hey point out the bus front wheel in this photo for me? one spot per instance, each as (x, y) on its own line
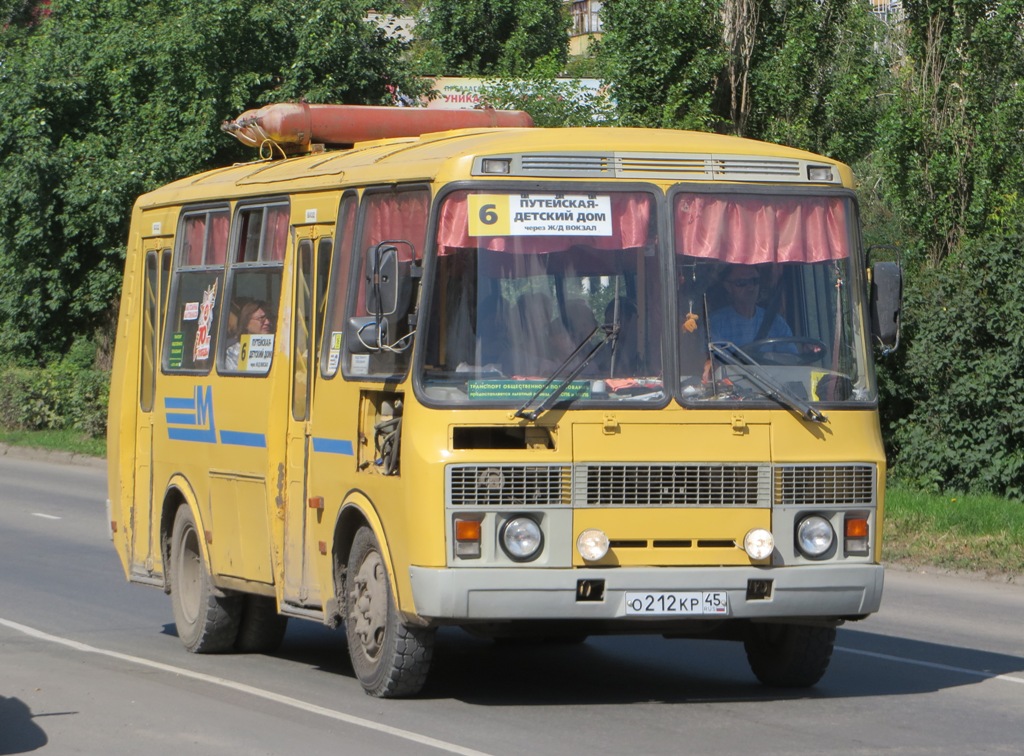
(391, 659)
(788, 655)
(207, 622)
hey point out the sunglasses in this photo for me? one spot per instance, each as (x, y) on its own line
(743, 283)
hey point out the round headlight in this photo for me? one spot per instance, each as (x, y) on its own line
(521, 538)
(815, 536)
(759, 543)
(592, 544)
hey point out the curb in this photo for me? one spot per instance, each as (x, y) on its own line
(50, 455)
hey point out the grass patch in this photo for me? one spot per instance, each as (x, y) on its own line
(72, 441)
(970, 532)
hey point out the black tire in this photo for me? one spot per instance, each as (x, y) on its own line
(789, 656)
(261, 629)
(390, 659)
(207, 622)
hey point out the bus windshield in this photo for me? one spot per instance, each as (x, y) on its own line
(544, 291)
(770, 305)
(532, 286)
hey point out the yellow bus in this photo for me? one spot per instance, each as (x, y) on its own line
(403, 373)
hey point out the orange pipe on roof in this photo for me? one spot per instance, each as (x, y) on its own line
(296, 125)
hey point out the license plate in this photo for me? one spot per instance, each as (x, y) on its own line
(666, 603)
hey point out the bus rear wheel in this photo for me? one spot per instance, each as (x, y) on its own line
(789, 655)
(207, 621)
(261, 628)
(391, 659)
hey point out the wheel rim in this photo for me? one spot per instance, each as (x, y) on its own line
(370, 604)
(189, 584)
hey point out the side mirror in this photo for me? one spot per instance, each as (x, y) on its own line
(886, 303)
(388, 280)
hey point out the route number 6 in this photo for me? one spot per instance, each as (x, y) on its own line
(487, 215)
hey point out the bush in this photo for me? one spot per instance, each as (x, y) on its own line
(67, 395)
(964, 370)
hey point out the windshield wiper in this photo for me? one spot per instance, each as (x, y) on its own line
(730, 354)
(609, 333)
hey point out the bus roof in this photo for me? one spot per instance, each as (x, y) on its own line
(657, 155)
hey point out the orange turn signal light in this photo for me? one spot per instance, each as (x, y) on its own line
(857, 527)
(467, 530)
(467, 538)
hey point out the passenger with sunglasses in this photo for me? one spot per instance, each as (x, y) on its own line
(740, 322)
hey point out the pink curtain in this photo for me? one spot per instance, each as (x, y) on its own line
(277, 233)
(402, 215)
(195, 236)
(631, 214)
(217, 245)
(392, 216)
(762, 229)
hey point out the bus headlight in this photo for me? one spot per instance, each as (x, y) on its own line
(592, 544)
(521, 538)
(815, 536)
(759, 543)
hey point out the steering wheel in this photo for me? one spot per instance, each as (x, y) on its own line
(802, 350)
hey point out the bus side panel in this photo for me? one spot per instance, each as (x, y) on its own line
(123, 404)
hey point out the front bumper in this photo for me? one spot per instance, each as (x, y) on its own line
(813, 592)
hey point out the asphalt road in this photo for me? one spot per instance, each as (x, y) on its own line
(90, 664)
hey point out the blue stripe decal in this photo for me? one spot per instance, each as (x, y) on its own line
(204, 435)
(239, 438)
(197, 424)
(180, 418)
(333, 446)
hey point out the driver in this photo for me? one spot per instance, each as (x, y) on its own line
(740, 321)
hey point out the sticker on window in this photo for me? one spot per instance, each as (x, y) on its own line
(255, 352)
(334, 354)
(540, 215)
(518, 390)
(201, 350)
(360, 364)
(177, 353)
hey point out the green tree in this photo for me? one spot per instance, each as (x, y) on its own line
(490, 37)
(951, 142)
(817, 76)
(952, 167)
(661, 59)
(105, 100)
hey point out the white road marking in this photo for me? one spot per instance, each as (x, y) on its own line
(45, 516)
(933, 665)
(415, 737)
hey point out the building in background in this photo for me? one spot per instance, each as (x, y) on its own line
(586, 24)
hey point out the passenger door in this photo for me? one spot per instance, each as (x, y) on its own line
(156, 269)
(312, 259)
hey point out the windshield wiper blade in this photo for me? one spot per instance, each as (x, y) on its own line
(608, 335)
(730, 354)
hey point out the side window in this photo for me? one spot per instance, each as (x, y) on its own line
(337, 288)
(193, 308)
(150, 292)
(302, 317)
(398, 216)
(258, 243)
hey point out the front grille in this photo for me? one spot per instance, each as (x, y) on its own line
(660, 485)
(508, 485)
(824, 485)
(682, 485)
